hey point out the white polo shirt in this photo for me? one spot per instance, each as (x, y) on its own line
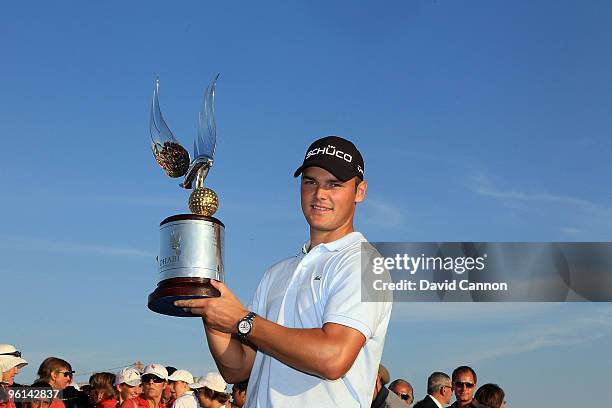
(307, 291)
(187, 400)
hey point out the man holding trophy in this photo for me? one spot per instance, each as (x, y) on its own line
(307, 339)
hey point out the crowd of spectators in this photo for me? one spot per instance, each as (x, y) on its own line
(158, 386)
(440, 389)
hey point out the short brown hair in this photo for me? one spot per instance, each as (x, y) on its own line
(490, 395)
(50, 365)
(464, 369)
(104, 382)
(241, 386)
(215, 395)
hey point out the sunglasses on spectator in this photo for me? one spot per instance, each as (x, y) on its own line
(146, 379)
(466, 384)
(404, 396)
(14, 354)
(67, 373)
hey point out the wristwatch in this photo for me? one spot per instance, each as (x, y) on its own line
(245, 325)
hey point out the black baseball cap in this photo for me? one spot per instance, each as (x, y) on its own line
(337, 155)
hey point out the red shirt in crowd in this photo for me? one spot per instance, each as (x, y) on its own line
(138, 402)
(106, 403)
(57, 403)
(9, 403)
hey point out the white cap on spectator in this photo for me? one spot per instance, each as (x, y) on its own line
(214, 381)
(157, 370)
(129, 376)
(10, 357)
(181, 375)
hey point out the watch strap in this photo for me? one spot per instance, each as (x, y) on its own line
(248, 318)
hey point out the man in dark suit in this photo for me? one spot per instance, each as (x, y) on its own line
(439, 391)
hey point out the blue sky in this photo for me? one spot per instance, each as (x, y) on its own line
(478, 120)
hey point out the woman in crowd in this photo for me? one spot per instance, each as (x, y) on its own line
(10, 364)
(489, 396)
(154, 380)
(211, 391)
(58, 374)
(45, 394)
(127, 384)
(102, 394)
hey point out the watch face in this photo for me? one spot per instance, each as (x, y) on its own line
(244, 327)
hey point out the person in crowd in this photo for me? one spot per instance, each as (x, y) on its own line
(10, 364)
(45, 394)
(239, 394)
(464, 382)
(489, 396)
(168, 396)
(307, 335)
(439, 391)
(382, 398)
(154, 381)
(211, 391)
(75, 397)
(58, 373)
(102, 393)
(4, 397)
(403, 389)
(179, 382)
(127, 384)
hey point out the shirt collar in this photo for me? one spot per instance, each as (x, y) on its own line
(436, 401)
(345, 241)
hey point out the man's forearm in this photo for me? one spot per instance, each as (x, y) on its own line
(229, 355)
(327, 352)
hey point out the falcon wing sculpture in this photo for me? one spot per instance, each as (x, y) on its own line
(171, 156)
(205, 145)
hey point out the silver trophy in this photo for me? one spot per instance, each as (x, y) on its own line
(191, 245)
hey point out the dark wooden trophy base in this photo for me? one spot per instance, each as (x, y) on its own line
(168, 291)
